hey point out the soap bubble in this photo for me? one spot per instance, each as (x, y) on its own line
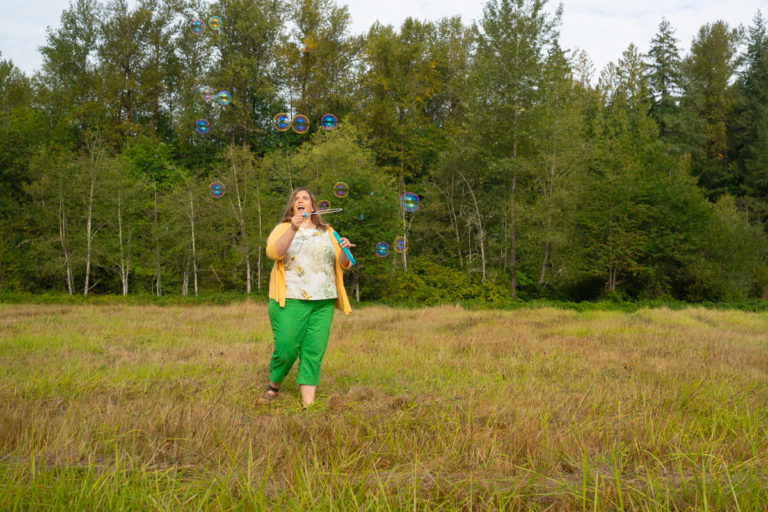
(409, 201)
(224, 98)
(214, 22)
(197, 26)
(282, 122)
(207, 93)
(401, 244)
(328, 121)
(203, 126)
(382, 249)
(340, 189)
(300, 123)
(323, 205)
(216, 189)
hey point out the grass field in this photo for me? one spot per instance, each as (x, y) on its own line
(154, 408)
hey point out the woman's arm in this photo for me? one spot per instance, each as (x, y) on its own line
(344, 242)
(284, 242)
(281, 237)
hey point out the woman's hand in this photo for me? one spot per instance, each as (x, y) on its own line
(345, 244)
(296, 221)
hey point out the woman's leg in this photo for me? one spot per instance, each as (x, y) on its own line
(289, 327)
(307, 393)
(313, 348)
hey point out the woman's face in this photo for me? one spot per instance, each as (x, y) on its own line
(302, 203)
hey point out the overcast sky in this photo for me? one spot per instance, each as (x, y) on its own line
(603, 28)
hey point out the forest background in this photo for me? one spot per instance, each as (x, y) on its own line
(537, 176)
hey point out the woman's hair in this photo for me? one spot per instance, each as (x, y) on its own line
(288, 212)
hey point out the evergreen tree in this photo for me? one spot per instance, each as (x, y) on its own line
(612, 210)
(708, 72)
(68, 81)
(246, 45)
(749, 125)
(559, 147)
(318, 60)
(663, 64)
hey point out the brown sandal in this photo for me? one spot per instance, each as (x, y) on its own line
(269, 395)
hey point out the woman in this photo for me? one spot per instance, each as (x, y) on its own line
(305, 285)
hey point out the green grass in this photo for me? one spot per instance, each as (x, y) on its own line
(219, 298)
(135, 407)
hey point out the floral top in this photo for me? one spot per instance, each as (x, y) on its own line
(309, 266)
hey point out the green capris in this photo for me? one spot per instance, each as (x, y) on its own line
(301, 329)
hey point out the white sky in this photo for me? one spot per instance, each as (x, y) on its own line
(604, 28)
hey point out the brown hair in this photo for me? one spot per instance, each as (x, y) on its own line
(318, 219)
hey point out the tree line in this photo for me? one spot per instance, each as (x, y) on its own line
(537, 175)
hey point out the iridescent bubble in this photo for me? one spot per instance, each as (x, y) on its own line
(214, 22)
(207, 92)
(401, 244)
(203, 126)
(371, 192)
(409, 201)
(362, 217)
(216, 189)
(224, 98)
(282, 122)
(328, 121)
(382, 249)
(300, 123)
(323, 205)
(197, 26)
(340, 189)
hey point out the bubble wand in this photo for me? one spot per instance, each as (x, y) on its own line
(323, 212)
(335, 234)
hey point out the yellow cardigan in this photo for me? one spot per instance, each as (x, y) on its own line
(277, 278)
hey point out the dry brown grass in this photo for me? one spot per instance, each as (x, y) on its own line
(534, 408)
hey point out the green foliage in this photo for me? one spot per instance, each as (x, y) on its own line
(532, 179)
(428, 283)
(732, 262)
(748, 129)
(152, 159)
(709, 100)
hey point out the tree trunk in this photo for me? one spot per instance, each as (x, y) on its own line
(89, 224)
(455, 223)
(513, 241)
(480, 230)
(64, 239)
(185, 278)
(611, 259)
(123, 266)
(544, 262)
(258, 249)
(450, 203)
(402, 210)
(193, 240)
(506, 240)
(513, 213)
(240, 215)
(158, 276)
